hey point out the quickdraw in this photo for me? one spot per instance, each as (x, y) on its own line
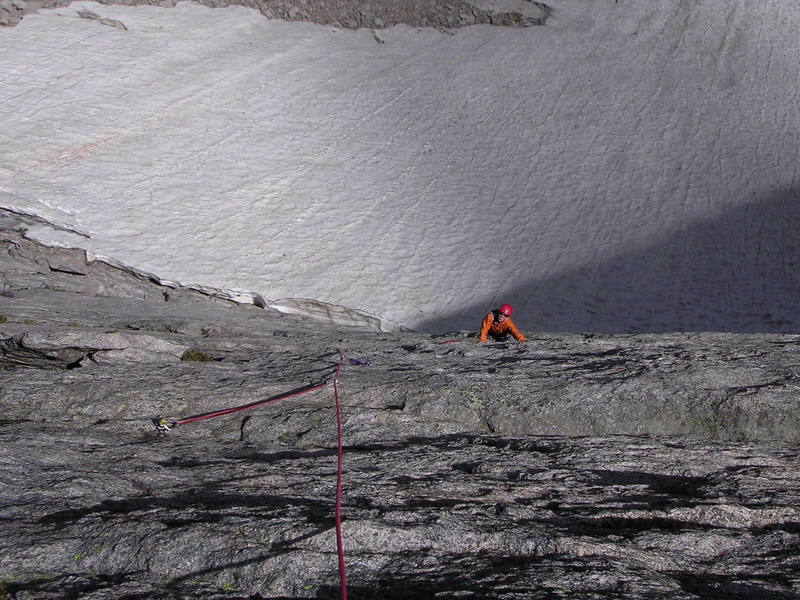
(164, 425)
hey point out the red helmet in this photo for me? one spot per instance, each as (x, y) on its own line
(505, 309)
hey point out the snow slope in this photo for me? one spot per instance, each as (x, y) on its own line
(630, 166)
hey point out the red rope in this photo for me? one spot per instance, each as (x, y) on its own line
(339, 469)
(227, 411)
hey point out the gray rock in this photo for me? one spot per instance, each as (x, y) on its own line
(577, 466)
(69, 348)
(11, 12)
(352, 14)
(459, 516)
(88, 14)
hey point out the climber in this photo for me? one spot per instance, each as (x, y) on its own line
(498, 325)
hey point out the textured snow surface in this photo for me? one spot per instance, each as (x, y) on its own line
(630, 166)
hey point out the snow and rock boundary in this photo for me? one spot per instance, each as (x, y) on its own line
(16, 223)
(59, 312)
(350, 14)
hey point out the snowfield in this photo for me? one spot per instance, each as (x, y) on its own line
(629, 166)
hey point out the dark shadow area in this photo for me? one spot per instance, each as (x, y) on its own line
(658, 492)
(492, 576)
(66, 586)
(455, 441)
(739, 272)
(787, 526)
(746, 587)
(458, 576)
(205, 506)
(671, 485)
(626, 527)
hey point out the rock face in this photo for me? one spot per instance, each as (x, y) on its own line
(69, 348)
(576, 466)
(11, 12)
(350, 14)
(101, 515)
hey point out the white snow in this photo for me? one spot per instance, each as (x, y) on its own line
(630, 166)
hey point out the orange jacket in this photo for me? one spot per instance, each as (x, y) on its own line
(490, 326)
